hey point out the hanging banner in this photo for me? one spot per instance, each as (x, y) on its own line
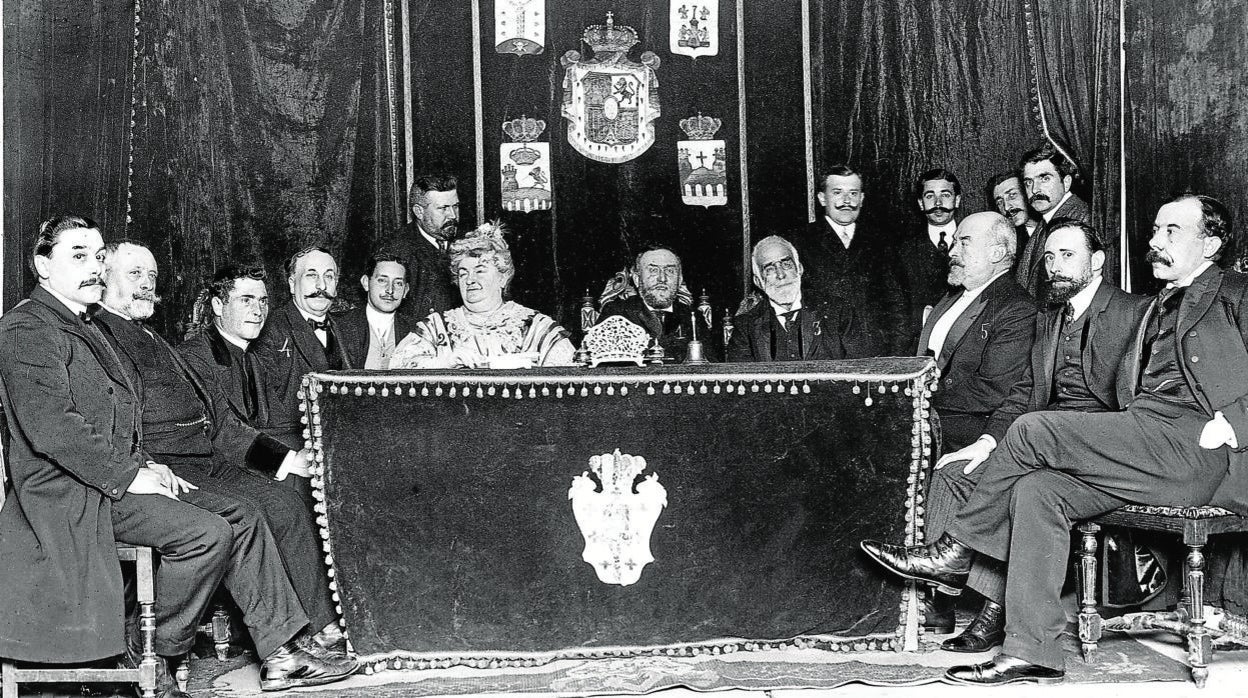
(609, 101)
(525, 166)
(701, 159)
(694, 28)
(520, 26)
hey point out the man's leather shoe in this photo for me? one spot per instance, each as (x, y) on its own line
(984, 633)
(938, 612)
(944, 564)
(292, 665)
(1004, 669)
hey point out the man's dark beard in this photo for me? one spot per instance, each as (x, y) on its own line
(1057, 293)
(652, 298)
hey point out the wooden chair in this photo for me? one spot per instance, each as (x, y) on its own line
(1195, 525)
(144, 674)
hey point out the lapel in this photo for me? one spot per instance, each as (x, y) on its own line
(810, 335)
(217, 343)
(760, 329)
(1042, 371)
(308, 346)
(1100, 302)
(1135, 363)
(103, 351)
(1197, 299)
(941, 308)
(957, 332)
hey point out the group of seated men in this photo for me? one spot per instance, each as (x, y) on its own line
(197, 451)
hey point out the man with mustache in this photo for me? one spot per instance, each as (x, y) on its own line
(924, 251)
(189, 426)
(299, 338)
(1047, 176)
(1081, 337)
(657, 276)
(1005, 191)
(790, 325)
(370, 333)
(1176, 443)
(434, 201)
(980, 334)
(848, 260)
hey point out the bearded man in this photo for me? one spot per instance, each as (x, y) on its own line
(657, 276)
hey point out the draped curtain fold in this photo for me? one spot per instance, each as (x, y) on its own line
(1076, 72)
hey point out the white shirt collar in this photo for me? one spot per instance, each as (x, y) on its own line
(231, 338)
(1081, 300)
(432, 240)
(74, 306)
(781, 310)
(972, 293)
(933, 233)
(114, 311)
(1048, 215)
(310, 317)
(840, 229)
(380, 323)
(1187, 280)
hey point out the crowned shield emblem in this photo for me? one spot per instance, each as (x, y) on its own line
(694, 28)
(610, 102)
(616, 515)
(525, 166)
(520, 26)
(701, 159)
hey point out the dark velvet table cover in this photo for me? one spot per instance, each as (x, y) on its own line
(452, 539)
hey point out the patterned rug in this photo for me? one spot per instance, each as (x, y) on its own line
(1121, 659)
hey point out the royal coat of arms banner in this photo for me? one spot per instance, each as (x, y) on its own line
(610, 102)
(520, 26)
(694, 28)
(701, 159)
(525, 167)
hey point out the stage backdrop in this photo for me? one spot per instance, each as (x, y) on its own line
(478, 516)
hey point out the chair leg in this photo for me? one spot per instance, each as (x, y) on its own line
(221, 632)
(1199, 641)
(8, 689)
(1086, 581)
(146, 591)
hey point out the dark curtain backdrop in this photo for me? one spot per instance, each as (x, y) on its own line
(1077, 76)
(260, 126)
(1187, 111)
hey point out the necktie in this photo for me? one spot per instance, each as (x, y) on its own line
(318, 324)
(1068, 314)
(790, 317)
(85, 317)
(943, 244)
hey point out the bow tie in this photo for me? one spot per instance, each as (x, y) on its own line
(86, 317)
(318, 324)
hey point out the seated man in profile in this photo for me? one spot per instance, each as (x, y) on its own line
(790, 326)
(657, 276)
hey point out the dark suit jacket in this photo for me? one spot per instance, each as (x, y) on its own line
(984, 356)
(72, 447)
(287, 349)
(223, 366)
(1213, 356)
(433, 289)
(354, 333)
(1113, 317)
(864, 277)
(673, 331)
(924, 276)
(1030, 263)
(234, 444)
(829, 331)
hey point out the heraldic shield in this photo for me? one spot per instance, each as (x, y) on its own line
(617, 520)
(609, 101)
(519, 26)
(702, 163)
(694, 28)
(525, 166)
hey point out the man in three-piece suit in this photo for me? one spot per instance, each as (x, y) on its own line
(1176, 443)
(1081, 337)
(237, 303)
(83, 481)
(370, 333)
(299, 338)
(657, 276)
(847, 259)
(789, 325)
(189, 426)
(1047, 177)
(923, 253)
(980, 335)
(434, 201)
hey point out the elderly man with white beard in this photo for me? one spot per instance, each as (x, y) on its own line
(792, 325)
(190, 427)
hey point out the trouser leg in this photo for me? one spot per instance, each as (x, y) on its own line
(255, 575)
(194, 547)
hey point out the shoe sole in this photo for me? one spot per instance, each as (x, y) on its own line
(938, 586)
(285, 684)
(1042, 680)
(967, 650)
